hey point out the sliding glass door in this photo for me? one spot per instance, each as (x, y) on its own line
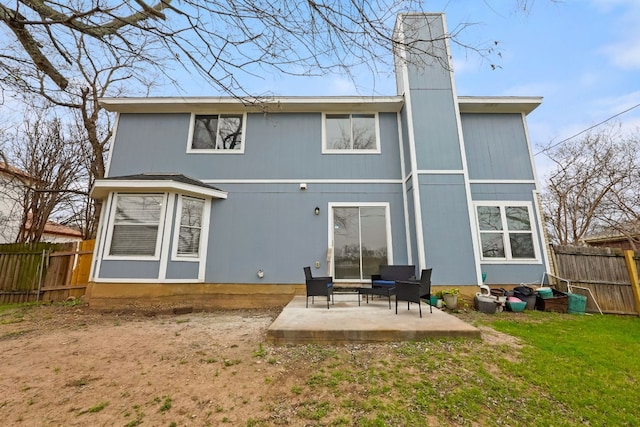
(360, 241)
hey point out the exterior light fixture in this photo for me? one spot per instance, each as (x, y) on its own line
(316, 211)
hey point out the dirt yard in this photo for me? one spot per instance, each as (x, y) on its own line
(71, 366)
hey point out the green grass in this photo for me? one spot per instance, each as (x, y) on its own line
(559, 370)
(589, 364)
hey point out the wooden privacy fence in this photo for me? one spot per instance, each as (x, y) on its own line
(44, 271)
(601, 270)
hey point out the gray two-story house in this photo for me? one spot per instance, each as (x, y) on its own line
(218, 202)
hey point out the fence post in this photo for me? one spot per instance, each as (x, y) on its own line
(40, 278)
(633, 276)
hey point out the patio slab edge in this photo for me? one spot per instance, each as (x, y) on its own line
(346, 322)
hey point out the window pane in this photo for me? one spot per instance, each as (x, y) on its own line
(138, 209)
(492, 245)
(229, 133)
(191, 212)
(364, 132)
(346, 243)
(134, 240)
(374, 239)
(489, 218)
(204, 132)
(521, 245)
(189, 241)
(518, 218)
(136, 222)
(190, 226)
(338, 131)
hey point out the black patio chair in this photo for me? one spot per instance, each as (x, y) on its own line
(413, 291)
(318, 286)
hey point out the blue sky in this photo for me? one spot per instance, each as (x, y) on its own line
(582, 56)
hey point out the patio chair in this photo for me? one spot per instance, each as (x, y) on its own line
(414, 291)
(318, 286)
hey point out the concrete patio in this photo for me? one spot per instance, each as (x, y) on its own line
(346, 322)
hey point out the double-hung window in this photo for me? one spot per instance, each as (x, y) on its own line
(136, 223)
(190, 228)
(506, 231)
(217, 133)
(350, 133)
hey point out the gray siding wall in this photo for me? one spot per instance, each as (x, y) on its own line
(503, 191)
(269, 226)
(273, 227)
(435, 123)
(412, 227)
(405, 141)
(277, 146)
(446, 229)
(511, 273)
(436, 130)
(496, 146)
(113, 269)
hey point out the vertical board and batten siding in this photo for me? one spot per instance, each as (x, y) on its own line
(435, 130)
(503, 192)
(125, 269)
(273, 227)
(406, 152)
(412, 227)
(435, 124)
(603, 270)
(446, 231)
(496, 147)
(445, 222)
(262, 225)
(277, 146)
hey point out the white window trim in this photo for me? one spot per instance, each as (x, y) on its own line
(505, 233)
(204, 227)
(192, 122)
(110, 226)
(387, 212)
(326, 150)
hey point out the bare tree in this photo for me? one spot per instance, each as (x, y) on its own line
(593, 187)
(72, 53)
(46, 173)
(222, 40)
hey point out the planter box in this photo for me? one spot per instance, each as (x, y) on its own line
(559, 302)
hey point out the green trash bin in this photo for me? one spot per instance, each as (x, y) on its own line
(577, 303)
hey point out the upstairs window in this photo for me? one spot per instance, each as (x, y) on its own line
(217, 133)
(135, 225)
(355, 133)
(506, 232)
